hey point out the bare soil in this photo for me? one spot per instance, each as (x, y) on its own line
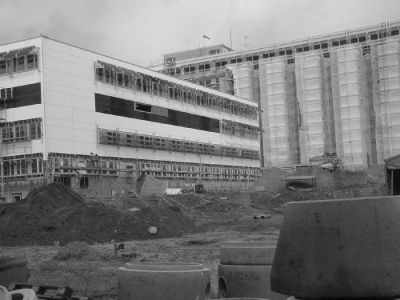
(191, 226)
(54, 214)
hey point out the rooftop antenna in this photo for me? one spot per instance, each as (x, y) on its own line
(230, 34)
(245, 42)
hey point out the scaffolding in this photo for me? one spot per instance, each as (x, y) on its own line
(351, 106)
(275, 113)
(389, 94)
(310, 94)
(3, 94)
(377, 112)
(244, 80)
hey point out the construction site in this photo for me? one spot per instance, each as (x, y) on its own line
(269, 173)
(331, 94)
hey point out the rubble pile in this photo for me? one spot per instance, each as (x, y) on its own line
(55, 214)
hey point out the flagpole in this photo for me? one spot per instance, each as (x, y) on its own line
(204, 39)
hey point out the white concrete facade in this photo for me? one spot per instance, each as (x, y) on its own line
(70, 123)
(71, 119)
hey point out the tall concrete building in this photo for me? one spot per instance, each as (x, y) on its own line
(97, 124)
(337, 93)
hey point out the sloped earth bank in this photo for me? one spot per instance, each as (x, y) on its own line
(54, 214)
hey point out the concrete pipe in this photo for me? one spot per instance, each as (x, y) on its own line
(4, 295)
(245, 269)
(162, 280)
(13, 269)
(241, 299)
(246, 281)
(344, 248)
(23, 294)
(247, 253)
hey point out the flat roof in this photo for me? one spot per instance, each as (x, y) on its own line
(150, 72)
(296, 42)
(195, 49)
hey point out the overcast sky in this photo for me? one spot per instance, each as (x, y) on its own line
(142, 31)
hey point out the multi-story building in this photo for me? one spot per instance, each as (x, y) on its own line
(336, 93)
(86, 119)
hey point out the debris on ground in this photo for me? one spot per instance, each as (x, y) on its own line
(90, 268)
(262, 216)
(54, 213)
(173, 191)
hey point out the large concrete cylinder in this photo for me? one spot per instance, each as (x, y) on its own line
(167, 281)
(245, 270)
(247, 253)
(13, 269)
(344, 248)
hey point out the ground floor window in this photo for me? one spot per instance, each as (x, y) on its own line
(17, 197)
(84, 182)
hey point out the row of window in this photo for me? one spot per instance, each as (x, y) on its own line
(113, 137)
(159, 169)
(140, 82)
(34, 165)
(283, 51)
(22, 166)
(172, 60)
(239, 129)
(19, 96)
(21, 131)
(20, 60)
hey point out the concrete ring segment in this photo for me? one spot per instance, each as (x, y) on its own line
(4, 295)
(13, 269)
(168, 281)
(344, 248)
(247, 253)
(246, 281)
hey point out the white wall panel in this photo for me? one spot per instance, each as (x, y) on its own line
(72, 121)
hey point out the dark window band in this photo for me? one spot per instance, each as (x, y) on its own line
(19, 96)
(130, 109)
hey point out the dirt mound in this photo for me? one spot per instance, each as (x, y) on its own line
(51, 197)
(190, 200)
(54, 213)
(74, 250)
(340, 184)
(271, 180)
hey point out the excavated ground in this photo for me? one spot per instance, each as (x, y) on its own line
(191, 227)
(53, 214)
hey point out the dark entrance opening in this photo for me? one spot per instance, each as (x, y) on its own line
(65, 180)
(393, 180)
